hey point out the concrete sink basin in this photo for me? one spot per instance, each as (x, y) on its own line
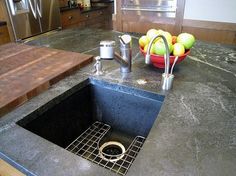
(126, 111)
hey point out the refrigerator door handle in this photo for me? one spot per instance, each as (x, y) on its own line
(13, 12)
(39, 8)
(32, 8)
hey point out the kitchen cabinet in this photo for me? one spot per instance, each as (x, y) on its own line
(98, 19)
(4, 18)
(63, 3)
(70, 18)
(4, 35)
(88, 17)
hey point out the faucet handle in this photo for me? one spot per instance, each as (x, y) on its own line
(126, 40)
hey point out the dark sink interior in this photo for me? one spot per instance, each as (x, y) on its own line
(129, 111)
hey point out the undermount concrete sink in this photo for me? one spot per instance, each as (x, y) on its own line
(129, 112)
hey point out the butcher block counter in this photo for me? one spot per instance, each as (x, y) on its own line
(27, 70)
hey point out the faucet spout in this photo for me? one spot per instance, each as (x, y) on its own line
(167, 78)
(166, 56)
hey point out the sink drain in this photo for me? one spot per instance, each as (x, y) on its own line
(111, 155)
(112, 151)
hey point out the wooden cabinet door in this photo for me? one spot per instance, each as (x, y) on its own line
(4, 35)
(70, 17)
(97, 19)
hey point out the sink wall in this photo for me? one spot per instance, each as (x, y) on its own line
(126, 109)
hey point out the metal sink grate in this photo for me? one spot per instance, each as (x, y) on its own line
(86, 145)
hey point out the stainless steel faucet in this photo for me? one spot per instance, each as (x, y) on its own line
(107, 52)
(167, 78)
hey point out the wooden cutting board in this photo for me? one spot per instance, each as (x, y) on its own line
(26, 71)
(8, 170)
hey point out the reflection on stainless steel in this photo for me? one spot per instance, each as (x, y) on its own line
(17, 7)
(148, 3)
(33, 8)
(50, 15)
(32, 17)
(39, 8)
(161, 8)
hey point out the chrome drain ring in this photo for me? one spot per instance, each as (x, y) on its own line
(112, 158)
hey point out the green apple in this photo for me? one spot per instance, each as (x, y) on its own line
(186, 39)
(143, 41)
(167, 35)
(151, 33)
(171, 47)
(159, 31)
(160, 49)
(151, 50)
(178, 49)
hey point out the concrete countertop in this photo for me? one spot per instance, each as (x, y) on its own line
(194, 133)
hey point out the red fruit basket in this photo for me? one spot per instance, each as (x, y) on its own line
(159, 62)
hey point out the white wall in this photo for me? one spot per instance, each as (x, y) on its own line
(211, 10)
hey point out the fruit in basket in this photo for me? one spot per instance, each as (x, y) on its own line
(171, 47)
(160, 49)
(174, 39)
(179, 46)
(151, 33)
(167, 35)
(151, 51)
(178, 49)
(186, 39)
(143, 41)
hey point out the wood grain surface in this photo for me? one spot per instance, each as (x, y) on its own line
(8, 170)
(26, 71)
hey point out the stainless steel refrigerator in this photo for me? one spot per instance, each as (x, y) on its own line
(32, 17)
